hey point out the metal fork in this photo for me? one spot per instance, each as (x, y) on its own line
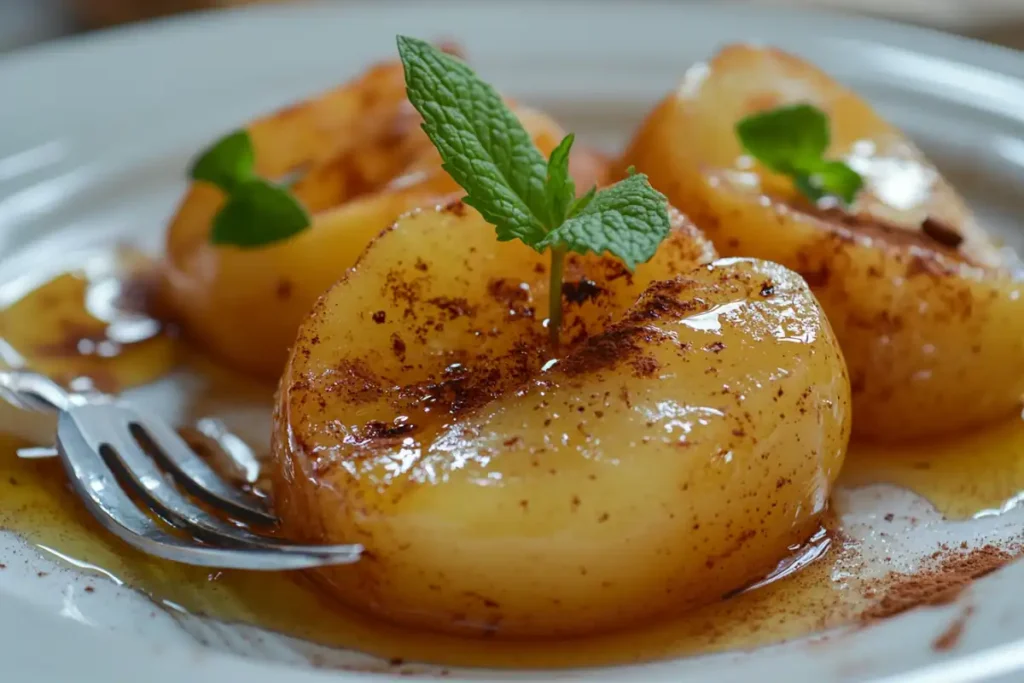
(103, 443)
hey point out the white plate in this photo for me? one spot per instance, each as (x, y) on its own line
(95, 134)
(952, 15)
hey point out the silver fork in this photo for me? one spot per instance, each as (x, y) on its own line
(103, 443)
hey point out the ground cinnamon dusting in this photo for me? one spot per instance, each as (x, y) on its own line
(581, 291)
(948, 639)
(938, 584)
(511, 295)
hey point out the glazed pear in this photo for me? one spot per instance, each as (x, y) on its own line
(929, 311)
(362, 160)
(684, 436)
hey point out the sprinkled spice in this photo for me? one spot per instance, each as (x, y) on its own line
(939, 584)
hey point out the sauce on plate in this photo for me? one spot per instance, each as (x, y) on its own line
(818, 588)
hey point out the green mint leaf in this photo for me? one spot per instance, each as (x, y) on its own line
(792, 140)
(257, 213)
(807, 186)
(561, 189)
(228, 162)
(830, 178)
(483, 146)
(629, 220)
(786, 139)
(582, 202)
(838, 179)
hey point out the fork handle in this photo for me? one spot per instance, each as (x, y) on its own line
(35, 392)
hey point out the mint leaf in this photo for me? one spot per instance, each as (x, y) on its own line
(831, 178)
(807, 186)
(581, 203)
(836, 178)
(787, 138)
(629, 220)
(487, 151)
(257, 213)
(228, 162)
(792, 140)
(483, 146)
(560, 187)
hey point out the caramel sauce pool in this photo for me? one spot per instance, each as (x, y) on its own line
(963, 477)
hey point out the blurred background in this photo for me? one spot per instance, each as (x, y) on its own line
(24, 22)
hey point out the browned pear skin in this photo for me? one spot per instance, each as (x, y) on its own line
(679, 442)
(928, 309)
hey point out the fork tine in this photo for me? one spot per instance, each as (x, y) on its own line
(32, 391)
(124, 456)
(110, 505)
(195, 476)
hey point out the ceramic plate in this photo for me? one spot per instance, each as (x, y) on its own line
(95, 135)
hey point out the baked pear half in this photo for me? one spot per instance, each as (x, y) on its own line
(357, 159)
(676, 447)
(928, 308)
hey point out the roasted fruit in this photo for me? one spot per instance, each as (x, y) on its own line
(674, 449)
(929, 311)
(363, 161)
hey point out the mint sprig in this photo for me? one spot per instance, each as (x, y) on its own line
(628, 219)
(256, 212)
(483, 146)
(487, 151)
(227, 162)
(561, 190)
(792, 140)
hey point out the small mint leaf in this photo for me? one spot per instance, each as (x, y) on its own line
(582, 202)
(629, 220)
(838, 179)
(786, 139)
(228, 162)
(257, 213)
(792, 140)
(807, 186)
(561, 189)
(483, 146)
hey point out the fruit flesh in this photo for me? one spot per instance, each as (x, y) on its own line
(928, 309)
(362, 161)
(672, 453)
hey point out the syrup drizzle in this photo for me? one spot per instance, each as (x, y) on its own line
(817, 588)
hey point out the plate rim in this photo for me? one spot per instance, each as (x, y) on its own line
(213, 16)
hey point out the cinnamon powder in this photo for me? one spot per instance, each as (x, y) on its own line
(939, 584)
(948, 639)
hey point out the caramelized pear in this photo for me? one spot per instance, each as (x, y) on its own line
(362, 160)
(929, 311)
(675, 448)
